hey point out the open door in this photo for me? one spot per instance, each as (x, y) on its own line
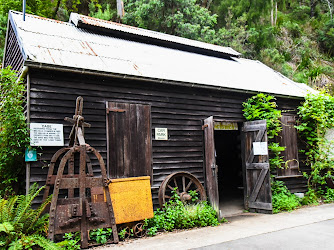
(210, 164)
(256, 167)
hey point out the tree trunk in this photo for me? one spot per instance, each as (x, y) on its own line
(275, 21)
(272, 13)
(120, 9)
(313, 4)
(56, 10)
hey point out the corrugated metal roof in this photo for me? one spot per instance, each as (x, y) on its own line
(52, 42)
(77, 19)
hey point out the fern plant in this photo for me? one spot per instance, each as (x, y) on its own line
(22, 227)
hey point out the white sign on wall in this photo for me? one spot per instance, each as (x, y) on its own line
(46, 134)
(161, 134)
(260, 148)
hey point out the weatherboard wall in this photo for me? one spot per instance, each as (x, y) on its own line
(13, 56)
(180, 109)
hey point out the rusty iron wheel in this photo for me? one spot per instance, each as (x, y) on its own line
(126, 231)
(139, 230)
(182, 182)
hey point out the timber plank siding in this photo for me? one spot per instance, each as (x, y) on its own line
(180, 109)
(13, 56)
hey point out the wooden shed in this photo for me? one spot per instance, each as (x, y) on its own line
(135, 82)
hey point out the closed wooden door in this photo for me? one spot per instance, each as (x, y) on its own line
(256, 167)
(210, 164)
(288, 139)
(129, 140)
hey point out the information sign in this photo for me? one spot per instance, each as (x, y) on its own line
(46, 134)
(161, 134)
(30, 154)
(226, 126)
(260, 148)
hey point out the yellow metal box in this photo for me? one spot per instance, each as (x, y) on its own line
(131, 199)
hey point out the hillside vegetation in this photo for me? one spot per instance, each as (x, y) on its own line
(294, 37)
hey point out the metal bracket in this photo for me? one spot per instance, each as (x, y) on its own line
(115, 110)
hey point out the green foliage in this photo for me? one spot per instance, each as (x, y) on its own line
(253, 9)
(152, 231)
(276, 160)
(264, 107)
(282, 199)
(20, 225)
(37, 7)
(310, 198)
(14, 135)
(316, 117)
(329, 195)
(178, 17)
(71, 241)
(100, 235)
(326, 37)
(122, 234)
(105, 14)
(178, 215)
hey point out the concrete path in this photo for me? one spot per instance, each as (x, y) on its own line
(318, 235)
(239, 227)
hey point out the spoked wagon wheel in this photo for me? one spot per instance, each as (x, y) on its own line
(139, 230)
(183, 183)
(125, 231)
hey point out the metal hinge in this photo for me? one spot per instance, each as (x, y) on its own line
(115, 110)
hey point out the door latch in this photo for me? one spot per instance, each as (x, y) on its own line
(213, 167)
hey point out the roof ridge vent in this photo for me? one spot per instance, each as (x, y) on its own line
(150, 37)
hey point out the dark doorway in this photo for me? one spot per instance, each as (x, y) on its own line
(230, 175)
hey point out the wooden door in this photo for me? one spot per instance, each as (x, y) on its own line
(129, 140)
(256, 167)
(288, 139)
(211, 168)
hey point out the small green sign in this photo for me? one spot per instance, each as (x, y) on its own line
(31, 154)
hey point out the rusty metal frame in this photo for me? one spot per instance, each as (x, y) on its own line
(72, 213)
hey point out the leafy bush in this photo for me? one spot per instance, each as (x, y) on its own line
(178, 215)
(282, 199)
(106, 14)
(329, 195)
(326, 37)
(316, 117)
(293, 28)
(100, 235)
(264, 107)
(310, 198)
(300, 12)
(71, 241)
(20, 225)
(13, 131)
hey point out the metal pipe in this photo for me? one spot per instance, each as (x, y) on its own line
(25, 73)
(24, 10)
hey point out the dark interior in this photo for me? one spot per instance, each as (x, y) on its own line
(228, 159)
